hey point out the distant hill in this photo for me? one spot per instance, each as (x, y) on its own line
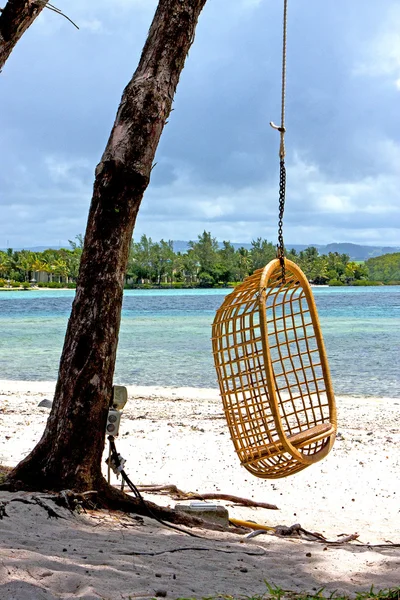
(36, 248)
(355, 251)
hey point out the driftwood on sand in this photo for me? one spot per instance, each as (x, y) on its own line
(176, 494)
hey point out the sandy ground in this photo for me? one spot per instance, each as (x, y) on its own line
(179, 436)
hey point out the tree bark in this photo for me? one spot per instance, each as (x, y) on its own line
(70, 451)
(15, 18)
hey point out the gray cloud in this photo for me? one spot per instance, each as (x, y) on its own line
(217, 160)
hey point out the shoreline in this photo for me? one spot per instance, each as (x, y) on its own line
(147, 287)
(178, 436)
(48, 387)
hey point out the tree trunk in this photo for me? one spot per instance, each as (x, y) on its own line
(15, 18)
(70, 451)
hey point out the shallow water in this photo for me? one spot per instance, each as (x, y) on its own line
(165, 337)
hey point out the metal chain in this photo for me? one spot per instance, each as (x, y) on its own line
(282, 168)
(282, 196)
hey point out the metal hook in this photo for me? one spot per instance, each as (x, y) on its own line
(277, 127)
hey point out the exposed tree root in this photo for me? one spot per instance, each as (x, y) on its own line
(298, 531)
(9, 484)
(40, 501)
(106, 496)
(3, 512)
(4, 471)
(177, 494)
(261, 552)
(111, 497)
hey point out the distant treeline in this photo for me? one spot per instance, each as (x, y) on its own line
(204, 264)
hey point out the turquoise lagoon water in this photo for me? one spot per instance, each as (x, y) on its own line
(165, 337)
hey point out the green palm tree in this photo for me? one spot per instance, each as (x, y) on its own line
(243, 263)
(24, 263)
(5, 265)
(39, 266)
(60, 268)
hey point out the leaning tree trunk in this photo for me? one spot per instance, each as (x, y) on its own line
(15, 18)
(70, 451)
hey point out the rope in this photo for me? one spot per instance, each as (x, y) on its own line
(282, 169)
(283, 97)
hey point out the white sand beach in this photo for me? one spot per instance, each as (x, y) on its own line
(179, 436)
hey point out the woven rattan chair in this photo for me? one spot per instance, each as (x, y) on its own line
(273, 373)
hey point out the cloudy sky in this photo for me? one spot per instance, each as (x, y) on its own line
(217, 163)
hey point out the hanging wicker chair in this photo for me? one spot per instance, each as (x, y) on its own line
(273, 373)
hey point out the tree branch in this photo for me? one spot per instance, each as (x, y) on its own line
(15, 18)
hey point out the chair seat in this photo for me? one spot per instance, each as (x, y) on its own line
(313, 434)
(299, 440)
